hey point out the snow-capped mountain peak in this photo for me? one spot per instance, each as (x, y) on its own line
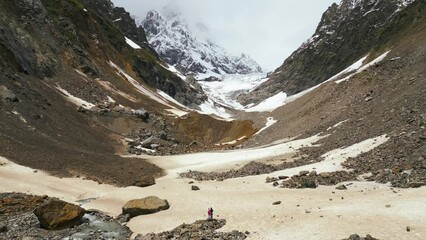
(180, 47)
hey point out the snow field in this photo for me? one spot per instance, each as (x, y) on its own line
(246, 203)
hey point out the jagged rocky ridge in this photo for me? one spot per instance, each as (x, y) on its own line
(87, 32)
(179, 47)
(347, 32)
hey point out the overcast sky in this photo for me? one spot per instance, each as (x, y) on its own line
(268, 30)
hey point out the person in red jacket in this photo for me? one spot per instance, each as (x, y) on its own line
(209, 212)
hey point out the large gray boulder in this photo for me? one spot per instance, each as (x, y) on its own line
(145, 206)
(56, 214)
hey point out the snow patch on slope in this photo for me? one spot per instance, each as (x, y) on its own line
(158, 96)
(365, 67)
(350, 69)
(174, 70)
(269, 122)
(77, 101)
(132, 44)
(270, 104)
(281, 98)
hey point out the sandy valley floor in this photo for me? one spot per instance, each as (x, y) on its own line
(246, 203)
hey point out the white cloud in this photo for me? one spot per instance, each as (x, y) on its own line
(269, 31)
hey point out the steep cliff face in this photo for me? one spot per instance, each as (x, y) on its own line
(346, 33)
(179, 47)
(43, 37)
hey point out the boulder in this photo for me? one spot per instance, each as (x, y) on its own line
(55, 214)
(145, 181)
(308, 183)
(303, 173)
(276, 203)
(145, 206)
(354, 237)
(195, 188)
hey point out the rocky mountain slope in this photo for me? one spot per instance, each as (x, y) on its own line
(79, 85)
(179, 47)
(387, 99)
(347, 32)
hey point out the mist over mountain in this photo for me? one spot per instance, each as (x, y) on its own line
(171, 37)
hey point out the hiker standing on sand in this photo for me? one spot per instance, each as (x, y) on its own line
(209, 213)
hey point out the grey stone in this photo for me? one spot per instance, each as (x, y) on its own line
(309, 183)
(145, 206)
(354, 237)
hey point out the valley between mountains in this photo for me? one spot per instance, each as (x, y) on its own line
(114, 129)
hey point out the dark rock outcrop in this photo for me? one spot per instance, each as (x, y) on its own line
(199, 230)
(313, 180)
(346, 33)
(17, 221)
(56, 214)
(357, 237)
